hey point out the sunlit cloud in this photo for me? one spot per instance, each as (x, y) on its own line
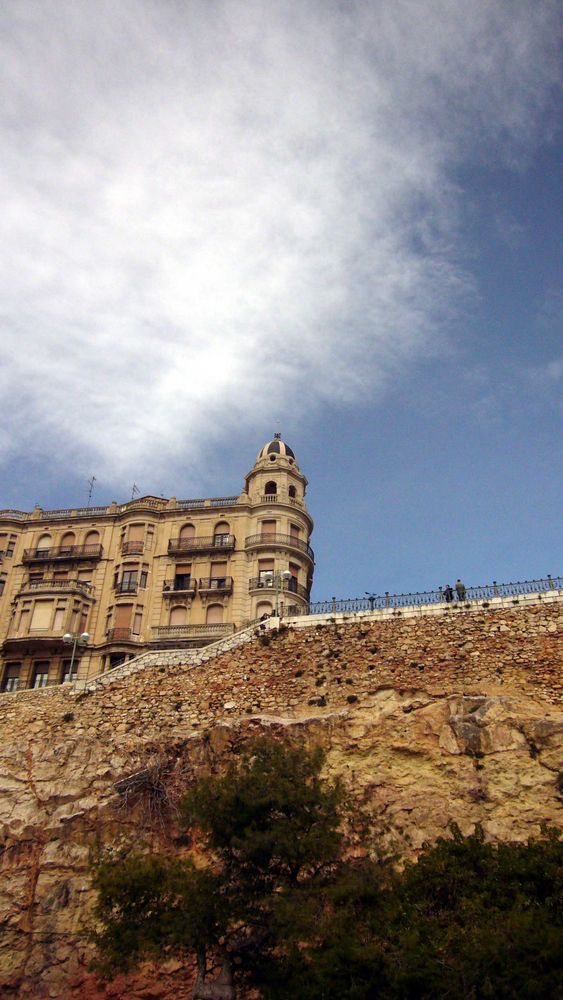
(210, 208)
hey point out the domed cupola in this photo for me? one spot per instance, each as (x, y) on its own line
(276, 447)
(276, 472)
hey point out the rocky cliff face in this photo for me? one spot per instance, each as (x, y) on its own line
(427, 721)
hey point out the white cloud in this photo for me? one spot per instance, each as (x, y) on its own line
(216, 206)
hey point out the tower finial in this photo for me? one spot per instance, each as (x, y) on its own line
(277, 437)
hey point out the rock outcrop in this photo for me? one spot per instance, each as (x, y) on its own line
(426, 720)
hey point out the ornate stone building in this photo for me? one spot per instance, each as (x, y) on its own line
(149, 574)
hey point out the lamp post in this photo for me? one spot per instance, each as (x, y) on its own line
(77, 640)
(277, 579)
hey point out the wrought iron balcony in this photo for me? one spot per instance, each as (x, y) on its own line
(132, 548)
(287, 586)
(172, 587)
(121, 635)
(216, 584)
(215, 543)
(273, 541)
(62, 553)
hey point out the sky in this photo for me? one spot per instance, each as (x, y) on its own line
(339, 221)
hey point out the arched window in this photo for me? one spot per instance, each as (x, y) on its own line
(263, 608)
(221, 533)
(178, 616)
(271, 488)
(44, 543)
(67, 541)
(92, 538)
(292, 491)
(187, 533)
(214, 614)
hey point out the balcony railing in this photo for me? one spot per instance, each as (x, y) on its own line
(62, 552)
(122, 635)
(211, 632)
(217, 584)
(181, 546)
(272, 541)
(171, 587)
(129, 587)
(132, 548)
(287, 586)
(47, 584)
(487, 592)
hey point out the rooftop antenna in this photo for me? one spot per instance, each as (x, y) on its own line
(135, 491)
(91, 487)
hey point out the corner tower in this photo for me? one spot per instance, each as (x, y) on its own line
(280, 557)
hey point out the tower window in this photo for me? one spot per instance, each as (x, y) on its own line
(271, 488)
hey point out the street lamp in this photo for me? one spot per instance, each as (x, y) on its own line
(76, 640)
(278, 579)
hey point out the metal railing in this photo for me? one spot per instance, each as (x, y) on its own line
(180, 546)
(220, 584)
(132, 548)
(62, 552)
(289, 586)
(273, 539)
(170, 587)
(129, 587)
(483, 593)
(122, 635)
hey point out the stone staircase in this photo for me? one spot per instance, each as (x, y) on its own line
(175, 657)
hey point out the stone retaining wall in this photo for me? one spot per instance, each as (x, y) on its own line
(427, 719)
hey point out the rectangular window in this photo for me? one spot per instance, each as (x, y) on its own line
(265, 568)
(268, 528)
(2, 583)
(58, 622)
(67, 674)
(137, 621)
(40, 674)
(218, 574)
(24, 620)
(11, 677)
(41, 617)
(129, 581)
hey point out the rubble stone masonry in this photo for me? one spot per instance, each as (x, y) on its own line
(427, 719)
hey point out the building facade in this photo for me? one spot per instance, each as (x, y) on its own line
(116, 581)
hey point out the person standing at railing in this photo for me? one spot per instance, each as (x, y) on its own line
(460, 590)
(448, 594)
